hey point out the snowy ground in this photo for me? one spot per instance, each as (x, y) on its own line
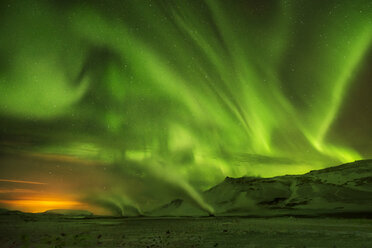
(46, 231)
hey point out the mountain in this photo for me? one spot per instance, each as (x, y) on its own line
(4, 211)
(54, 213)
(68, 212)
(343, 190)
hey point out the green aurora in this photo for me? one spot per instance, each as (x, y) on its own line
(170, 97)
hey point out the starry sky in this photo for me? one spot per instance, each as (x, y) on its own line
(117, 105)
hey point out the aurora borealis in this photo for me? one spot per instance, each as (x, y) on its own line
(129, 104)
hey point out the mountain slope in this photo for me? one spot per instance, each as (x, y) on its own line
(340, 190)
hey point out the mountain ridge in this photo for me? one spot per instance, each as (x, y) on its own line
(336, 190)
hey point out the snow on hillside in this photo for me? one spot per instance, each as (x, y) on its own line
(344, 189)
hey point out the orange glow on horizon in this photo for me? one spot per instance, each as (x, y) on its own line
(41, 205)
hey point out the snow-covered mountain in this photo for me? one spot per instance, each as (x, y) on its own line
(340, 190)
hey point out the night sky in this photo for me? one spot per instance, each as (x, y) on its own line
(110, 104)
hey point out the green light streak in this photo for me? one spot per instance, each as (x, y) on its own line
(184, 92)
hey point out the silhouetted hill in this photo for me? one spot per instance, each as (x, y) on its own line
(69, 212)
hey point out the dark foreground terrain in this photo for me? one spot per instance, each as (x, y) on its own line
(61, 231)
